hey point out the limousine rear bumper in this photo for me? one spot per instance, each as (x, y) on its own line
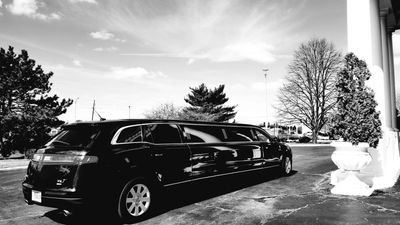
(55, 199)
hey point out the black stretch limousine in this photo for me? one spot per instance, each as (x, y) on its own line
(127, 162)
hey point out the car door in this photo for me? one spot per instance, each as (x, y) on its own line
(270, 148)
(248, 153)
(208, 152)
(128, 146)
(170, 156)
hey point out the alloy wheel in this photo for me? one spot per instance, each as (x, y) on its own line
(138, 200)
(288, 165)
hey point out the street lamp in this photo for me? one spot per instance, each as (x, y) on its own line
(266, 97)
(76, 102)
(129, 115)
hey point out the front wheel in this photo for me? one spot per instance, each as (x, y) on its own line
(135, 201)
(286, 166)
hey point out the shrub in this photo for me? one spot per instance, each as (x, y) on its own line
(356, 119)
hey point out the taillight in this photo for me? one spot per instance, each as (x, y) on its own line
(64, 159)
(37, 157)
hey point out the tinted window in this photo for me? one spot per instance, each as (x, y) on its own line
(261, 136)
(204, 134)
(240, 134)
(147, 134)
(164, 133)
(74, 136)
(130, 134)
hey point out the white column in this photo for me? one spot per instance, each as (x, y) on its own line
(368, 41)
(386, 72)
(364, 40)
(392, 77)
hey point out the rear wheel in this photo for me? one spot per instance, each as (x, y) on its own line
(286, 166)
(135, 201)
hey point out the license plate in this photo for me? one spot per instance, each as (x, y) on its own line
(36, 196)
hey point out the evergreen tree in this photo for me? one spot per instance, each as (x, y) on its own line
(208, 104)
(27, 111)
(356, 119)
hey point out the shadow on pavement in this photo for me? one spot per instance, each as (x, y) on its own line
(174, 197)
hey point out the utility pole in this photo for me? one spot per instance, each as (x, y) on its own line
(129, 115)
(94, 104)
(266, 97)
(76, 102)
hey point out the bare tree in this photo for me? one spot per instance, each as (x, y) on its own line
(165, 111)
(308, 93)
(168, 111)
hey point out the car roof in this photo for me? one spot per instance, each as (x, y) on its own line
(124, 122)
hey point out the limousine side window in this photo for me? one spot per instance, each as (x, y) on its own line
(130, 134)
(147, 134)
(262, 136)
(164, 133)
(240, 134)
(203, 134)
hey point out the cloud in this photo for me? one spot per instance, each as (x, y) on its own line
(272, 86)
(258, 52)
(237, 87)
(107, 49)
(1, 4)
(102, 35)
(76, 62)
(84, 1)
(105, 35)
(259, 86)
(190, 61)
(218, 31)
(137, 73)
(56, 67)
(119, 40)
(30, 9)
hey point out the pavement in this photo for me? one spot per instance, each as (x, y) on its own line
(302, 198)
(13, 164)
(253, 198)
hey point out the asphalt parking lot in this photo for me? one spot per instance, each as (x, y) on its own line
(250, 198)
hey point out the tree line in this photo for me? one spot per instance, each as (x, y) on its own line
(28, 112)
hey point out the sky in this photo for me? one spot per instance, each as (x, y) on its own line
(139, 54)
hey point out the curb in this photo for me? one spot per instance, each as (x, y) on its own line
(309, 145)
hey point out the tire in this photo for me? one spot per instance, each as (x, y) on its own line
(286, 166)
(136, 201)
